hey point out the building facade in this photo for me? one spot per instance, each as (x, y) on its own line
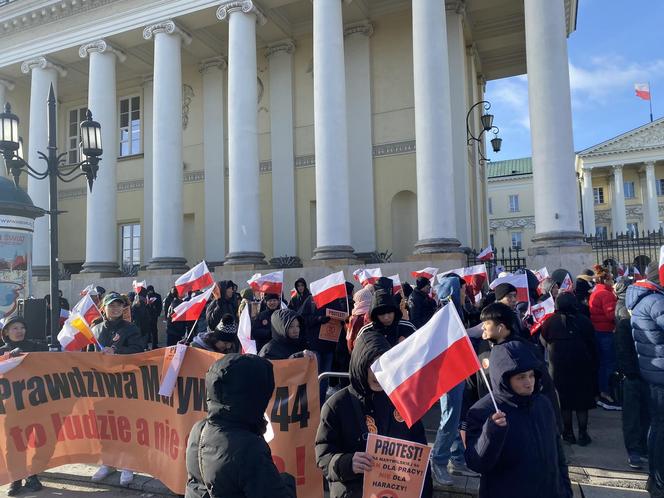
(239, 131)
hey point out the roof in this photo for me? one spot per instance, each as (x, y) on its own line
(511, 167)
(646, 137)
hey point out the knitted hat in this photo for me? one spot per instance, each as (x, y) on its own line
(227, 329)
(270, 296)
(422, 282)
(503, 289)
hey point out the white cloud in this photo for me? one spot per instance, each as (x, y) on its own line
(511, 95)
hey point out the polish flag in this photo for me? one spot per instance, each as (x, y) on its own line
(76, 334)
(486, 254)
(64, 314)
(138, 286)
(520, 281)
(541, 312)
(328, 289)
(293, 293)
(396, 284)
(87, 308)
(661, 265)
(474, 276)
(418, 371)
(272, 283)
(173, 359)
(89, 290)
(541, 274)
(189, 311)
(567, 285)
(642, 90)
(244, 333)
(198, 278)
(426, 273)
(367, 276)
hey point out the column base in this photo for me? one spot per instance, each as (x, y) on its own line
(41, 272)
(333, 252)
(565, 249)
(250, 258)
(437, 245)
(168, 264)
(103, 269)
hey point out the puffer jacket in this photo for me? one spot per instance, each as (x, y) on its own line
(219, 307)
(602, 305)
(282, 347)
(646, 302)
(123, 336)
(627, 360)
(227, 456)
(420, 308)
(398, 330)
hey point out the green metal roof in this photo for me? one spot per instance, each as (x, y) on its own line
(511, 167)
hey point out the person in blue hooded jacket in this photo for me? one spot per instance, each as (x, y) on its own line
(517, 449)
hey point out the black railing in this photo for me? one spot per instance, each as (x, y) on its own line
(632, 249)
(503, 260)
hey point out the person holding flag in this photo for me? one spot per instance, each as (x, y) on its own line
(225, 301)
(511, 436)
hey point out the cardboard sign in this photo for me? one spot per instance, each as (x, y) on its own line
(399, 468)
(337, 315)
(330, 331)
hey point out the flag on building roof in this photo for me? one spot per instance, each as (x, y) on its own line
(367, 276)
(87, 308)
(198, 278)
(189, 311)
(541, 312)
(425, 272)
(486, 254)
(518, 280)
(76, 334)
(396, 284)
(418, 371)
(642, 90)
(327, 289)
(138, 286)
(271, 283)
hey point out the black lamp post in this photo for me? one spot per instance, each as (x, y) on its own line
(487, 125)
(11, 148)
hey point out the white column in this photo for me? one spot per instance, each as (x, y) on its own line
(554, 177)
(333, 235)
(101, 227)
(146, 229)
(618, 213)
(44, 74)
(280, 67)
(360, 151)
(650, 204)
(436, 215)
(588, 202)
(458, 99)
(167, 228)
(213, 159)
(244, 234)
(5, 86)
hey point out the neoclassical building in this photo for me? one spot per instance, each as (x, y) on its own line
(239, 131)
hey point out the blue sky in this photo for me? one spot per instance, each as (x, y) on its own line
(616, 44)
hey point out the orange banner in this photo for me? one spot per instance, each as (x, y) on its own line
(61, 408)
(399, 468)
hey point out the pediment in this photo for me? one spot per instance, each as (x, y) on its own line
(646, 137)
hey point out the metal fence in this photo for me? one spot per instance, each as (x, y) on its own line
(503, 260)
(632, 249)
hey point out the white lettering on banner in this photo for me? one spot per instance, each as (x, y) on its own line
(18, 222)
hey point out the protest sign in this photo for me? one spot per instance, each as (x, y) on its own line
(399, 468)
(62, 408)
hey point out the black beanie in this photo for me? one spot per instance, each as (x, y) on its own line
(503, 289)
(269, 296)
(422, 282)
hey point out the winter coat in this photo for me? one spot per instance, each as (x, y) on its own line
(525, 459)
(627, 361)
(227, 456)
(602, 305)
(176, 329)
(261, 328)
(141, 317)
(26, 346)
(570, 342)
(282, 347)
(399, 329)
(319, 318)
(219, 307)
(421, 308)
(350, 414)
(298, 300)
(121, 335)
(646, 301)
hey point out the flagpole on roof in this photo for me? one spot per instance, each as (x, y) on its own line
(650, 100)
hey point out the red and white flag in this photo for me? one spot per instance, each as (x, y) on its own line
(541, 312)
(76, 334)
(328, 289)
(244, 333)
(661, 265)
(486, 254)
(272, 283)
(189, 311)
(567, 285)
(138, 286)
(425, 272)
(64, 314)
(396, 284)
(642, 90)
(367, 276)
(87, 308)
(293, 293)
(541, 274)
(199, 277)
(418, 371)
(173, 359)
(474, 276)
(89, 290)
(518, 280)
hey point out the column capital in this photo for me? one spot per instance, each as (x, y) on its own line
(169, 27)
(365, 28)
(586, 170)
(101, 46)
(617, 168)
(287, 46)
(218, 62)
(9, 85)
(650, 164)
(245, 6)
(42, 63)
(456, 6)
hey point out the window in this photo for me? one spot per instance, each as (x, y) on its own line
(131, 244)
(633, 229)
(598, 194)
(516, 240)
(490, 206)
(629, 190)
(660, 186)
(74, 118)
(514, 203)
(601, 232)
(130, 126)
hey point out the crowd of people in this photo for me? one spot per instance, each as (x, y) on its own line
(602, 347)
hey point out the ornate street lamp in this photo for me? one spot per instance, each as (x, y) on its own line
(486, 120)
(11, 148)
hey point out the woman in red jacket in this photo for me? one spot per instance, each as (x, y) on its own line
(602, 305)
